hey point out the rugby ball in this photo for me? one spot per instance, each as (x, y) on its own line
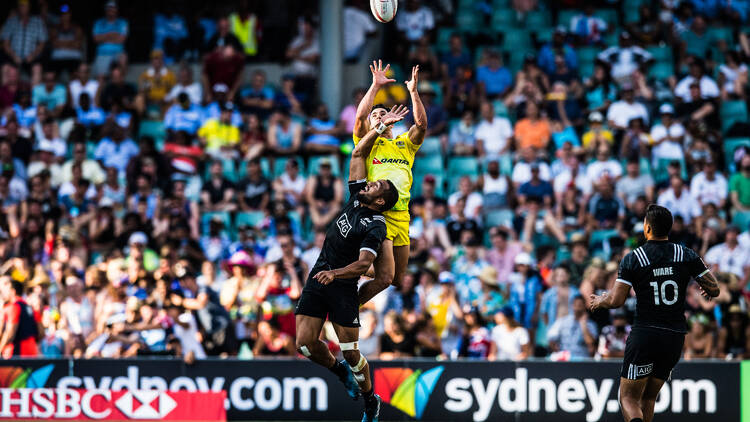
(384, 10)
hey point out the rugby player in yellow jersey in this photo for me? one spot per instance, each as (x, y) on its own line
(390, 158)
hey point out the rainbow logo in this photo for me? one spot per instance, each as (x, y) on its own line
(17, 377)
(405, 389)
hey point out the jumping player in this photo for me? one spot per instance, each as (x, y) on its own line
(350, 247)
(659, 272)
(390, 159)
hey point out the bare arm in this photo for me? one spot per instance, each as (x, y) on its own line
(612, 299)
(355, 269)
(417, 131)
(363, 108)
(357, 166)
(709, 285)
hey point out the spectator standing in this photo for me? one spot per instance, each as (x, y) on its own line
(574, 334)
(19, 332)
(24, 37)
(223, 66)
(322, 133)
(358, 26)
(557, 47)
(678, 199)
(510, 340)
(525, 291)
(222, 37)
(66, 42)
(625, 58)
(171, 33)
(709, 186)
(246, 27)
(186, 84)
(82, 83)
(730, 257)
(304, 52)
(739, 186)
(587, 28)
(110, 34)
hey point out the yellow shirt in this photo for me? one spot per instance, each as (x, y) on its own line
(392, 159)
(218, 135)
(589, 136)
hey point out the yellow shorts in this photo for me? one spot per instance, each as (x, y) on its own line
(397, 226)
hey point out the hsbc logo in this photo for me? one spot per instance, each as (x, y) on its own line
(146, 404)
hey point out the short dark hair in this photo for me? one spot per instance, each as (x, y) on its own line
(660, 220)
(379, 106)
(17, 287)
(390, 197)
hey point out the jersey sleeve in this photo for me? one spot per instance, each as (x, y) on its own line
(695, 265)
(374, 235)
(625, 274)
(355, 186)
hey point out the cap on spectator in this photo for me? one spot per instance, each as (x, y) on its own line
(111, 4)
(577, 238)
(666, 109)
(524, 258)
(107, 202)
(596, 117)
(429, 179)
(488, 275)
(138, 238)
(473, 242)
(227, 106)
(240, 258)
(507, 310)
(325, 162)
(220, 87)
(446, 277)
(157, 53)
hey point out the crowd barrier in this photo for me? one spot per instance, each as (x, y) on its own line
(411, 389)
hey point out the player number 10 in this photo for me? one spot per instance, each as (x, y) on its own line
(664, 285)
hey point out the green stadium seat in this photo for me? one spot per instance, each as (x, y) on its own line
(565, 16)
(315, 163)
(432, 164)
(599, 236)
(463, 166)
(631, 14)
(153, 128)
(732, 112)
(279, 163)
(730, 145)
(609, 16)
(661, 53)
(468, 20)
(544, 35)
(741, 219)
(587, 54)
(503, 19)
(430, 146)
(516, 39)
(538, 19)
(453, 181)
(661, 174)
(499, 218)
(661, 71)
(501, 4)
(500, 108)
(586, 69)
(249, 218)
(721, 34)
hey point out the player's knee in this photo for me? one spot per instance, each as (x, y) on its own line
(351, 357)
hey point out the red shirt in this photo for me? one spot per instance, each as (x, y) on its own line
(221, 69)
(12, 314)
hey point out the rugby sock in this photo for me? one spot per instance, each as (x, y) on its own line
(339, 369)
(369, 395)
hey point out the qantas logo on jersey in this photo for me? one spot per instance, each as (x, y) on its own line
(390, 161)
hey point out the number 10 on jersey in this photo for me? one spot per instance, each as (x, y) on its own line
(663, 292)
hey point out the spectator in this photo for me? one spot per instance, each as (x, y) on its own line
(24, 37)
(289, 98)
(461, 139)
(223, 66)
(587, 28)
(679, 200)
(272, 341)
(730, 256)
(461, 92)
(732, 76)
(11, 84)
(119, 91)
(698, 108)
(257, 189)
(525, 292)
(634, 184)
(493, 133)
(597, 134)
(395, 342)
(212, 110)
(324, 194)
(358, 26)
(474, 200)
(510, 340)
(600, 92)
(535, 189)
(467, 269)
(89, 115)
(604, 166)
(51, 138)
(557, 301)
(708, 186)
(699, 341)
(621, 112)
(281, 288)
(258, 97)
(284, 134)
(574, 334)
(423, 56)
(613, 337)
(667, 137)
(557, 47)
(117, 150)
(734, 335)
(322, 133)
(90, 169)
(533, 131)
(218, 192)
(496, 188)
(625, 59)
(156, 81)
(221, 136)
(185, 84)
(436, 114)
(415, 21)
(19, 327)
(290, 185)
(66, 43)
(247, 28)
(708, 87)
(696, 40)
(475, 343)
(223, 37)
(455, 58)
(304, 53)
(739, 186)
(110, 34)
(348, 113)
(184, 116)
(50, 93)
(82, 83)
(493, 78)
(171, 34)
(522, 168)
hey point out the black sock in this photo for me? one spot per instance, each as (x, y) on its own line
(636, 420)
(339, 369)
(369, 395)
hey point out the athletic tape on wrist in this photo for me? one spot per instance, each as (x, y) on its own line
(305, 351)
(360, 365)
(381, 128)
(349, 346)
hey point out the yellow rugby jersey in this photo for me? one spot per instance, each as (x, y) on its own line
(392, 159)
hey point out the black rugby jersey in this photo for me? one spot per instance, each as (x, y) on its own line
(659, 272)
(356, 228)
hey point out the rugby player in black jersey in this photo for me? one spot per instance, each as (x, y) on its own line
(351, 245)
(659, 272)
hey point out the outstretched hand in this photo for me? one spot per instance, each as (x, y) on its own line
(379, 77)
(411, 85)
(396, 114)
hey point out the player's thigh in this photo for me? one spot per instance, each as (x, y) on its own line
(653, 386)
(632, 389)
(401, 261)
(343, 304)
(308, 328)
(384, 264)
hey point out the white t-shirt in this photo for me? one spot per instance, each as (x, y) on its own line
(297, 185)
(473, 203)
(729, 260)
(685, 205)
(302, 67)
(522, 172)
(194, 91)
(709, 88)
(667, 149)
(76, 88)
(598, 169)
(731, 75)
(187, 335)
(416, 23)
(621, 112)
(509, 342)
(494, 134)
(582, 182)
(709, 191)
(357, 24)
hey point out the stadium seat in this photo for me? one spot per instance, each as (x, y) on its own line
(587, 54)
(732, 112)
(544, 35)
(500, 108)
(599, 236)
(609, 16)
(630, 14)
(499, 218)
(660, 172)
(538, 19)
(265, 167)
(661, 71)
(280, 163)
(468, 21)
(463, 166)
(153, 128)
(429, 165)
(430, 146)
(586, 69)
(516, 39)
(453, 182)
(500, 4)
(503, 19)
(730, 145)
(741, 219)
(315, 163)
(249, 218)
(721, 33)
(565, 16)
(661, 53)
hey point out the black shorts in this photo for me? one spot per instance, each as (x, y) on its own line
(651, 352)
(338, 302)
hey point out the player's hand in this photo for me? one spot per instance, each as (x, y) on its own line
(378, 73)
(397, 113)
(704, 294)
(596, 302)
(324, 277)
(411, 85)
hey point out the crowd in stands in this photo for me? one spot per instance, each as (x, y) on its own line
(179, 211)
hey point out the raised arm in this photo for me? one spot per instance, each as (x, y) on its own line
(363, 108)
(358, 165)
(418, 129)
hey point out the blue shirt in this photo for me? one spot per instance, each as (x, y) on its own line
(321, 139)
(39, 95)
(546, 58)
(538, 191)
(123, 119)
(468, 286)
(188, 120)
(454, 62)
(116, 155)
(495, 81)
(550, 303)
(566, 135)
(103, 26)
(213, 111)
(94, 116)
(523, 298)
(26, 117)
(266, 93)
(567, 332)
(172, 27)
